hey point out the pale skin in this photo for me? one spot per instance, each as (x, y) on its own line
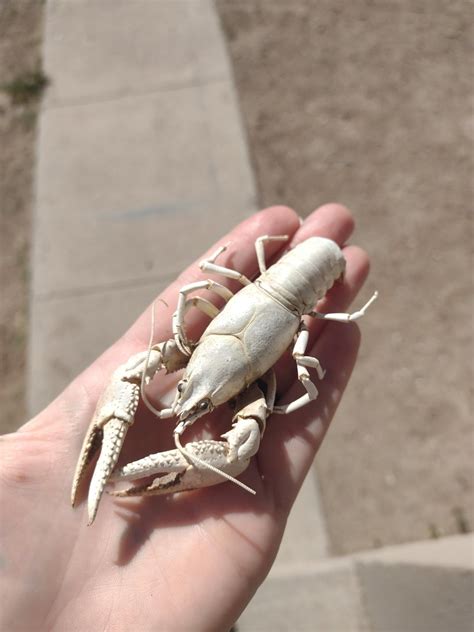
(188, 562)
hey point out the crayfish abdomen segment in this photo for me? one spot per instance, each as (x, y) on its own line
(303, 275)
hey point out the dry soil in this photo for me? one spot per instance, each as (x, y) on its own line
(20, 38)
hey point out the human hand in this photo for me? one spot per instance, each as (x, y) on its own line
(185, 562)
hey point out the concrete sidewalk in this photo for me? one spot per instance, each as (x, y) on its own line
(141, 164)
(419, 587)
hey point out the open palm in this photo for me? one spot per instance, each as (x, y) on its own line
(185, 562)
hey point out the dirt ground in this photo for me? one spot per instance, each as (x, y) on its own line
(367, 103)
(20, 38)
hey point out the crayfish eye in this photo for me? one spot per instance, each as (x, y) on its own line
(180, 387)
(204, 405)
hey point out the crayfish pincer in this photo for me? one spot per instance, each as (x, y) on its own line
(232, 360)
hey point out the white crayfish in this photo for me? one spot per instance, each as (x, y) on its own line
(232, 360)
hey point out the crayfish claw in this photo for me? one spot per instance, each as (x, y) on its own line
(206, 463)
(90, 446)
(115, 412)
(114, 433)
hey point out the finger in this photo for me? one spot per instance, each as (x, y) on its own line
(333, 221)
